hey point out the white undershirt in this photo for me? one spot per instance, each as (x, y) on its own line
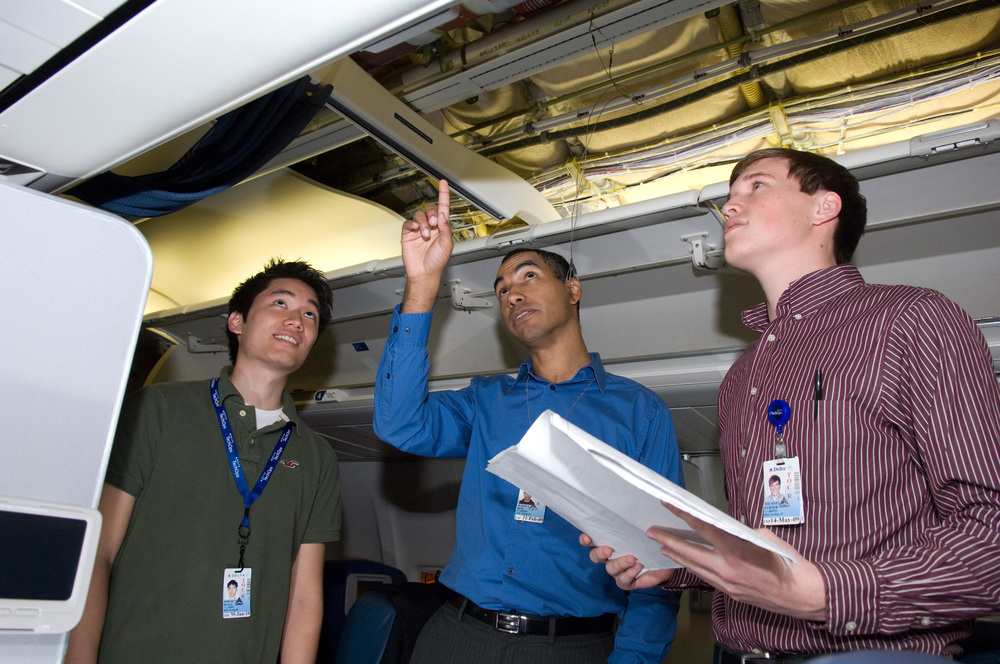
(268, 417)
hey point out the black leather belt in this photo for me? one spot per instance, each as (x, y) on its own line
(726, 655)
(519, 623)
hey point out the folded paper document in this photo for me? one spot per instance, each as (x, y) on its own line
(607, 494)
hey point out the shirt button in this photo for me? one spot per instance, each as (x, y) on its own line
(743, 452)
(552, 387)
(753, 391)
(851, 626)
(743, 519)
(771, 337)
(395, 328)
(797, 316)
(510, 570)
(243, 413)
(925, 621)
(406, 330)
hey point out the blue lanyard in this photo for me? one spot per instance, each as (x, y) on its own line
(237, 468)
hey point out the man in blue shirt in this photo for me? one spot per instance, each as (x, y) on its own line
(523, 588)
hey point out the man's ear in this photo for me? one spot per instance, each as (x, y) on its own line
(235, 323)
(828, 207)
(575, 290)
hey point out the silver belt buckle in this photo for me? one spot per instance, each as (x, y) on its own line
(754, 656)
(506, 622)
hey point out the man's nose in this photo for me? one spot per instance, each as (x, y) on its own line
(729, 208)
(514, 296)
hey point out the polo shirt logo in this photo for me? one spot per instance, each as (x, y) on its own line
(290, 464)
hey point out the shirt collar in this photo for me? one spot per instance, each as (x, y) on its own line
(593, 371)
(227, 391)
(807, 295)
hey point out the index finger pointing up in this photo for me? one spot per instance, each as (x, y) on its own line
(444, 201)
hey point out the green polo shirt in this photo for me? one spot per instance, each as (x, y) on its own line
(165, 599)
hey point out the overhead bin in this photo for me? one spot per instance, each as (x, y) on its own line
(136, 88)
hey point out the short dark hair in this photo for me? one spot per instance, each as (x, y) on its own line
(277, 268)
(232, 582)
(774, 480)
(814, 172)
(559, 265)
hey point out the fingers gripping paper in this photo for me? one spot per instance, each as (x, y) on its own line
(607, 494)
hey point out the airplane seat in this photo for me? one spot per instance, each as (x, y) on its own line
(880, 657)
(344, 582)
(382, 627)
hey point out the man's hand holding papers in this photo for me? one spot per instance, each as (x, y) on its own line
(654, 525)
(605, 493)
(744, 571)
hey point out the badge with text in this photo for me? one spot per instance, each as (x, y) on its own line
(528, 509)
(236, 593)
(782, 493)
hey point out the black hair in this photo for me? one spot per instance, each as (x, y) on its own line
(774, 478)
(277, 268)
(562, 268)
(814, 172)
(232, 582)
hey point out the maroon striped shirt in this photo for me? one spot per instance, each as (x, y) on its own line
(900, 470)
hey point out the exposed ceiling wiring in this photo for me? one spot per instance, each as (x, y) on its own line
(824, 118)
(832, 112)
(765, 62)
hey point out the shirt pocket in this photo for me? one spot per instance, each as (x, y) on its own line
(837, 446)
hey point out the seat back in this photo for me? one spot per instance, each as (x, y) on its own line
(382, 627)
(344, 582)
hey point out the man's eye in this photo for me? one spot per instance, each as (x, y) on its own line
(757, 184)
(280, 303)
(311, 314)
(529, 275)
(501, 293)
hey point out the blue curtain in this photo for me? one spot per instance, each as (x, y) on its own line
(238, 145)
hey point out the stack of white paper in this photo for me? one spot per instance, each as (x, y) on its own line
(607, 494)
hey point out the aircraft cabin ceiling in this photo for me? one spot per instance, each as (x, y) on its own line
(607, 129)
(593, 105)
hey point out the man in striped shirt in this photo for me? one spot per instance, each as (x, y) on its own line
(895, 426)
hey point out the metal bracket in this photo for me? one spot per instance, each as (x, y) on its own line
(704, 256)
(460, 298)
(194, 345)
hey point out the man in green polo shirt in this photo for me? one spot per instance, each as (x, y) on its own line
(216, 483)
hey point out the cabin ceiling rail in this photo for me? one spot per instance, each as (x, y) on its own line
(561, 34)
(909, 183)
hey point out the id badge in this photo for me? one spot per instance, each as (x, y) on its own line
(528, 509)
(236, 593)
(782, 492)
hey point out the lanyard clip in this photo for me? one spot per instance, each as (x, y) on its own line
(778, 413)
(244, 530)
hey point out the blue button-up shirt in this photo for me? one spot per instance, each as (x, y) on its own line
(518, 566)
